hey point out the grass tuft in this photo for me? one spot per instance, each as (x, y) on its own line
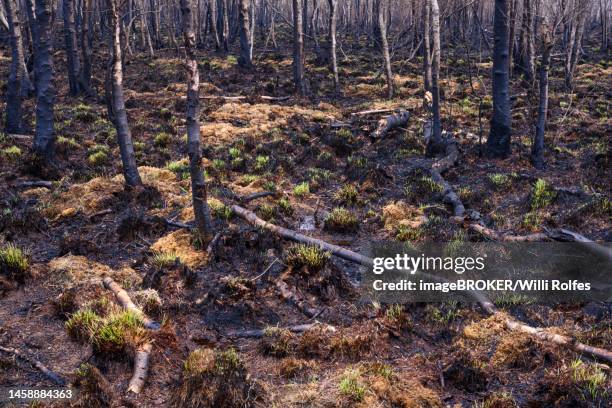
(13, 262)
(301, 190)
(312, 257)
(542, 195)
(347, 195)
(12, 152)
(341, 220)
(351, 385)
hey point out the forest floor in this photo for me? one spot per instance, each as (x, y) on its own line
(413, 355)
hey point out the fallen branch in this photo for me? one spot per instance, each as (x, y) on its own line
(292, 298)
(255, 196)
(18, 136)
(479, 297)
(498, 236)
(124, 300)
(177, 224)
(449, 195)
(101, 213)
(40, 366)
(390, 122)
(275, 98)
(227, 98)
(213, 243)
(141, 367)
(372, 111)
(259, 333)
(38, 183)
(241, 97)
(560, 235)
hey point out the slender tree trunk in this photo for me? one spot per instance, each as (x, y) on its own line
(513, 14)
(117, 101)
(70, 38)
(144, 27)
(427, 45)
(13, 89)
(603, 10)
(154, 21)
(436, 139)
(298, 48)
(314, 30)
(198, 184)
(26, 86)
(3, 19)
(305, 17)
(575, 42)
(44, 140)
(246, 56)
(382, 23)
(86, 52)
(225, 24)
(498, 142)
(333, 11)
(213, 24)
(537, 152)
(527, 52)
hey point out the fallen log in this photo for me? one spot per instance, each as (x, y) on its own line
(124, 300)
(390, 122)
(141, 367)
(372, 111)
(141, 360)
(449, 195)
(498, 236)
(253, 219)
(300, 328)
(40, 366)
(480, 298)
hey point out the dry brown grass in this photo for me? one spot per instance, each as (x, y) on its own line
(72, 270)
(180, 243)
(258, 119)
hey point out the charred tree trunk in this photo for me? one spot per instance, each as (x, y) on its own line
(435, 143)
(498, 143)
(381, 8)
(298, 48)
(44, 140)
(333, 11)
(526, 62)
(13, 88)
(246, 50)
(537, 152)
(225, 24)
(198, 184)
(86, 52)
(116, 101)
(154, 21)
(70, 38)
